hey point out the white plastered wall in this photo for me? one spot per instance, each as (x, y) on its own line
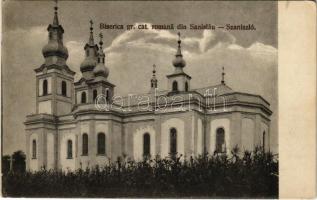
(214, 125)
(247, 134)
(138, 142)
(50, 151)
(200, 145)
(179, 125)
(67, 164)
(33, 161)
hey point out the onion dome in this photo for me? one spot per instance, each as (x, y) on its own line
(55, 45)
(88, 62)
(55, 48)
(178, 60)
(101, 69)
(91, 49)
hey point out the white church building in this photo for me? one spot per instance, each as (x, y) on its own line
(72, 127)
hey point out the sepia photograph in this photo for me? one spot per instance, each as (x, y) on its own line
(140, 99)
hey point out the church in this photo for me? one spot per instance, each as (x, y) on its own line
(73, 129)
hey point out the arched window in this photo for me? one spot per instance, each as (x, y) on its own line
(107, 95)
(173, 141)
(34, 149)
(69, 149)
(101, 150)
(95, 93)
(85, 144)
(175, 86)
(83, 97)
(64, 88)
(44, 87)
(146, 145)
(220, 140)
(186, 86)
(263, 140)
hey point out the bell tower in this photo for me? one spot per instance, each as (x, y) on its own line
(54, 79)
(178, 81)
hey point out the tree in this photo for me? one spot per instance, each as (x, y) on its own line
(5, 163)
(18, 162)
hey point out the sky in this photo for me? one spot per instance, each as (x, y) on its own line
(249, 57)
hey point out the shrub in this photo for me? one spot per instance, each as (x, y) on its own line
(255, 174)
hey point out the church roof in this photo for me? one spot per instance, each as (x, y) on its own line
(54, 66)
(135, 99)
(215, 90)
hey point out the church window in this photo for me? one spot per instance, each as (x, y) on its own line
(64, 88)
(173, 141)
(220, 140)
(85, 144)
(44, 87)
(34, 149)
(69, 149)
(107, 95)
(186, 86)
(83, 97)
(101, 140)
(95, 93)
(175, 86)
(146, 145)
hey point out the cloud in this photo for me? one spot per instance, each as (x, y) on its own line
(133, 52)
(165, 41)
(260, 49)
(76, 56)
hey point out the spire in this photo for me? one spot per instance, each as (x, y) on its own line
(91, 50)
(178, 61)
(153, 79)
(101, 53)
(101, 69)
(55, 20)
(55, 47)
(223, 76)
(179, 52)
(91, 37)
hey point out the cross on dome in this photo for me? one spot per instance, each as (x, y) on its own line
(91, 25)
(154, 71)
(101, 42)
(223, 76)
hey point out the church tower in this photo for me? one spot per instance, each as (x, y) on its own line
(178, 81)
(100, 84)
(90, 61)
(54, 97)
(54, 79)
(94, 80)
